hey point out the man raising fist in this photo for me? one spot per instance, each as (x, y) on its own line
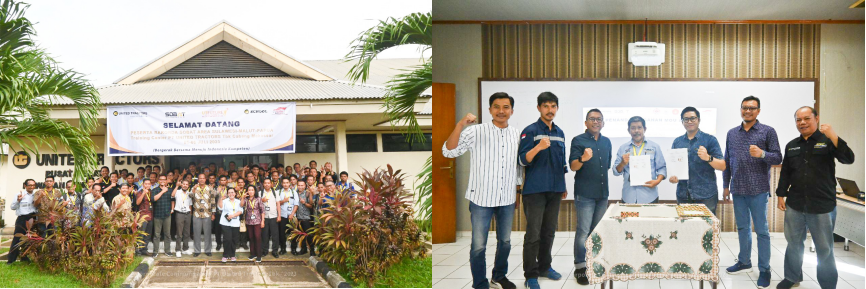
(590, 159)
(491, 192)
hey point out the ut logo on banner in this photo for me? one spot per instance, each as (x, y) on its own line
(21, 160)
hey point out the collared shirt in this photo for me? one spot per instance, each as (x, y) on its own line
(745, 174)
(203, 201)
(304, 212)
(640, 194)
(808, 173)
(701, 184)
(161, 207)
(221, 193)
(25, 206)
(546, 171)
(253, 210)
(493, 169)
(590, 181)
(144, 208)
(287, 207)
(230, 207)
(269, 199)
(126, 206)
(341, 186)
(75, 201)
(182, 201)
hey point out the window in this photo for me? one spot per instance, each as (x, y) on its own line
(397, 143)
(361, 143)
(315, 144)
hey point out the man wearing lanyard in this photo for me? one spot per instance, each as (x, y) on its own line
(288, 197)
(646, 193)
(26, 212)
(750, 150)
(251, 181)
(704, 158)
(75, 199)
(493, 181)
(43, 199)
(272, 218)
(220, 194)
(112, 189)
(203, 204)
(808, 181)
(542, 153)
(182, 205)
(590, 159)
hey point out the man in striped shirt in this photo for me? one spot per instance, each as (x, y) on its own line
(493, 181)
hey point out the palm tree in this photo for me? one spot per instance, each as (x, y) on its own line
(30, 83)
(404, 89)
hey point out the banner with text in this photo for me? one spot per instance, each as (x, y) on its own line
(236, 128)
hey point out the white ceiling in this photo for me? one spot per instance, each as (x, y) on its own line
(505, 10)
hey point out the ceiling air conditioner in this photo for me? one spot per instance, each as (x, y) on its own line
(646, 53)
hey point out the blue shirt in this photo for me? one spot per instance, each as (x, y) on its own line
(546, 171)
(701, 184)
(640, 194)
(590, 181)
(745, 174)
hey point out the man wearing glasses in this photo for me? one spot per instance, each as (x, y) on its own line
(590, 159)
(705, 156)
(750, 149)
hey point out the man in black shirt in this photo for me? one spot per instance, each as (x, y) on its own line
(112, 189)
(808, 181)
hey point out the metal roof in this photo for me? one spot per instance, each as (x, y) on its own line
(239, 89)
(381, 70)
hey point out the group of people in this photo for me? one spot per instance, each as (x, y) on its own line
(201, 201)
(500, 155)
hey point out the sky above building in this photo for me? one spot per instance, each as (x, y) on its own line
(106, 39)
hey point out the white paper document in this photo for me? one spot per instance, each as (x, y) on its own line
(640, 170)
(678, 163)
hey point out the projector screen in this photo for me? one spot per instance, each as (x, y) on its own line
(660, 104)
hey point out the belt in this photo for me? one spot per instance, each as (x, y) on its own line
(185, 213)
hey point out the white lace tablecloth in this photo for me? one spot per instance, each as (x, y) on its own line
(657, 245)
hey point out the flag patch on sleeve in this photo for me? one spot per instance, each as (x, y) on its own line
(523, 136)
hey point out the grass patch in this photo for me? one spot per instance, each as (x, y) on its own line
(409, 273)
(27, 275)
(4, 250)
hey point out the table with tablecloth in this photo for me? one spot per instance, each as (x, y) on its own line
(657, 244)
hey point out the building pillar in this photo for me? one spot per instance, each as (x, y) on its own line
(341, 150)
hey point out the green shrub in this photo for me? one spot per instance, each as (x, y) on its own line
(371, 231)
(94, 254)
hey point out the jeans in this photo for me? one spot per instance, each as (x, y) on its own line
(480, 217)
(199, 225)
(589, 213)
(711, 203)
(821, 228)
(162, 228)
(542, 212)
(748, 210)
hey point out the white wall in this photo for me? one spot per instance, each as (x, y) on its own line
(842, 92)
(458, 61)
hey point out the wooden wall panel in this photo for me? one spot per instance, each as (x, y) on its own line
(568, 51)
(693, 50)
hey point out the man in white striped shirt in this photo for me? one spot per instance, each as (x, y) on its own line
(493, 181)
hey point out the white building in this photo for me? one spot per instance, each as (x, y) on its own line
(337, 122)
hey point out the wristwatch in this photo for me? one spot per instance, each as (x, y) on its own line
(580, 159)
(711, 159)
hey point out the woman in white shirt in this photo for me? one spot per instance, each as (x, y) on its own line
(230, 221)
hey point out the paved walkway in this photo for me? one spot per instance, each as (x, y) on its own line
(215, 274)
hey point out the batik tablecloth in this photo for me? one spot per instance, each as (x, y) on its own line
(656, 245)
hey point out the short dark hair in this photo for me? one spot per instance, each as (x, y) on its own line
(49, 177)
(157, 167)
(814, 112)
(223, 177)
(593, 110)
(344, 173)
(140, 169)
(113, 173)
(499, 95)
(547, 96)
(751, 97)
(688, 109)
(636, 119)
(297, 164)
(103, 168)
(191, 164)
(124, 185)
